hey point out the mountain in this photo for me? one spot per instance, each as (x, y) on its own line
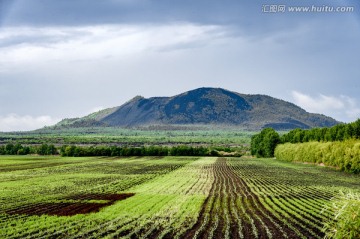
(205, 106)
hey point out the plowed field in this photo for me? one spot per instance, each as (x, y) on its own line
(170, 197)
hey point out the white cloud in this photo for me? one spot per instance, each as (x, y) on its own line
(342, 108)
(29, 45)
(317, 104)
(14, 122)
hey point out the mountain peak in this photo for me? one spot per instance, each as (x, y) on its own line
(210, 106)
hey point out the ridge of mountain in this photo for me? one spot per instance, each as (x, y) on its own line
(205, 106)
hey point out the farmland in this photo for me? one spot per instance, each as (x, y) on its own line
(160, 135)
(165, 197)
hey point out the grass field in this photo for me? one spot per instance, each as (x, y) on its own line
(193, 135)
(165, 197)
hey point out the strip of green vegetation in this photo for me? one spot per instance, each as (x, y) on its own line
(343, 155)
(263, 144)
(81, 151)
(224, 136)
(338, 147)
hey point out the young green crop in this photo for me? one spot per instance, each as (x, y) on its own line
(171, 197)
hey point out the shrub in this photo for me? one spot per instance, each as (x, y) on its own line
(345, 217)
(343, 155)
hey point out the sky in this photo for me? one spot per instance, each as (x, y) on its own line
(68, 58)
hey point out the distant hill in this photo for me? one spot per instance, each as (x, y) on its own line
(205, 106)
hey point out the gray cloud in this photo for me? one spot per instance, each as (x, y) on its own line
(65, 58)
(245, 14)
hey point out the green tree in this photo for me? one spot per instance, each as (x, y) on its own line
(264, 144)
(356, 128)
(43, 149)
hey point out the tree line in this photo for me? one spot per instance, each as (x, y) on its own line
(264, 143)
(79, 151)
(338, 132)
(18, 149)
(182, 150)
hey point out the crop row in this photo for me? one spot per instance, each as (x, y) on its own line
(296, 196)
(171, 197)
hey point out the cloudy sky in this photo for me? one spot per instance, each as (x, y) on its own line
(68, 58)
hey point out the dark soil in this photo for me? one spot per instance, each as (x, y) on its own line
(72, 208)
(110, 197)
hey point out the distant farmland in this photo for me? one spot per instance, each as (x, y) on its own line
(169, 135)
(165, 197)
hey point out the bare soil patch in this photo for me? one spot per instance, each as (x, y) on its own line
(72, 208)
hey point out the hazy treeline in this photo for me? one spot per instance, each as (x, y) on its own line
(78, 151)
(344, 155)
(128, 136)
